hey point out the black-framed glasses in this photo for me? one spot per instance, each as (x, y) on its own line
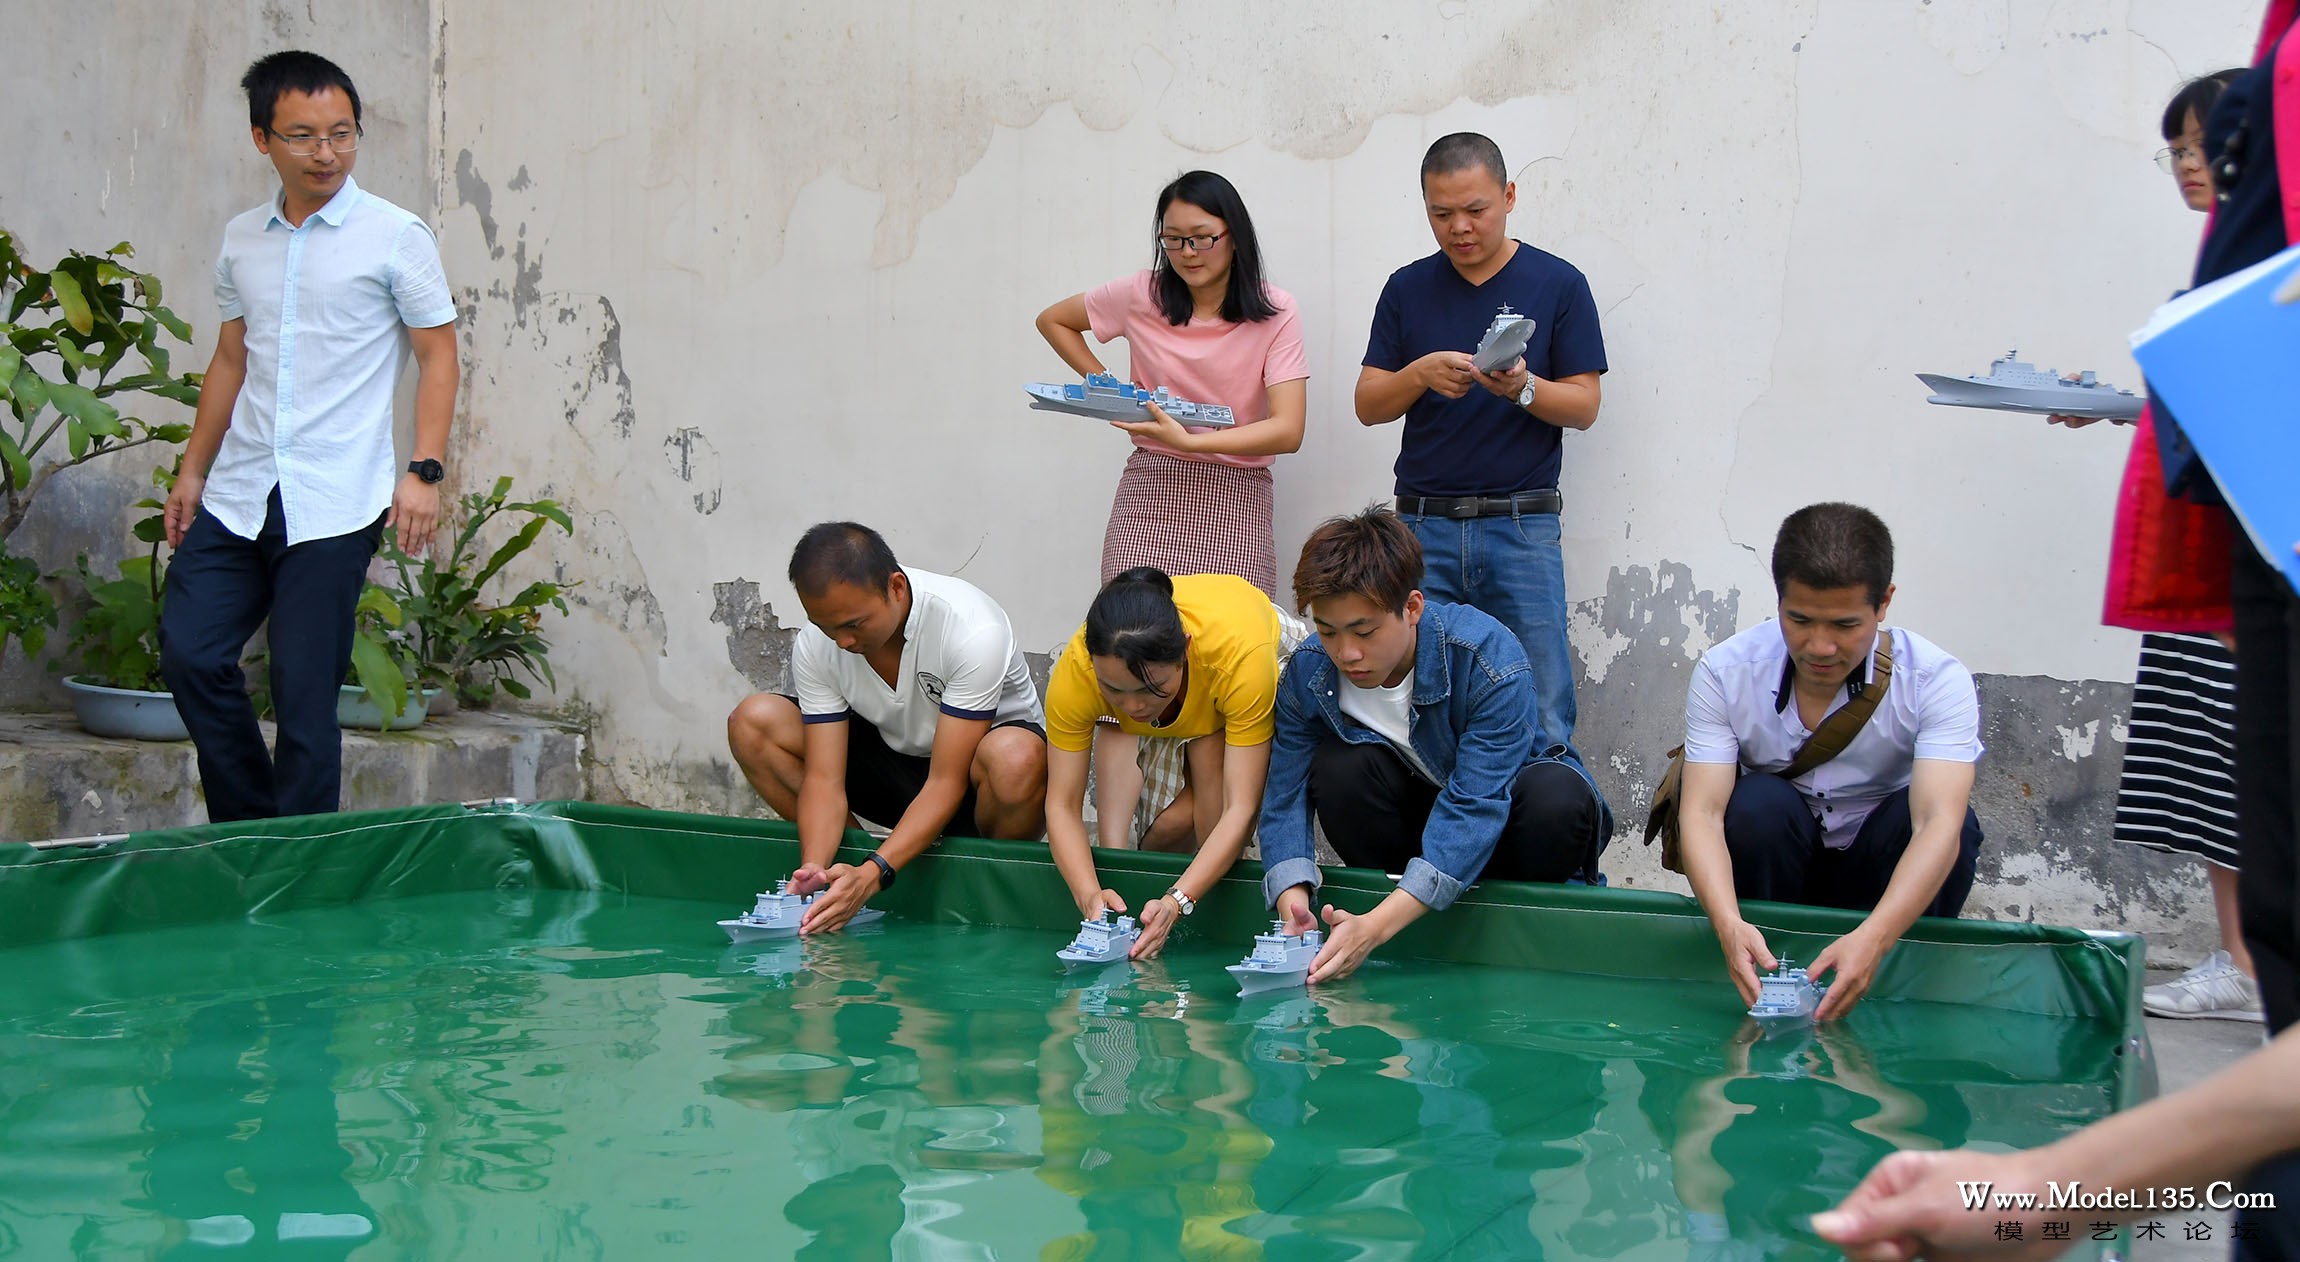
(2169, 160)
(305, 146)
(1175, 245)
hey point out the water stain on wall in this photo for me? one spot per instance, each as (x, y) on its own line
(758, 644)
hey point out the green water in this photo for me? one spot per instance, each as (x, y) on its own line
(547, 1074)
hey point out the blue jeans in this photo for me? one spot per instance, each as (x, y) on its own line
(1513, 569)
(220, 589)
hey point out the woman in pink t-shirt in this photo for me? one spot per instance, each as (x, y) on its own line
(1204, 324)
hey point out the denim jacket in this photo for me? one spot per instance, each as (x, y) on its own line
(1473, 725)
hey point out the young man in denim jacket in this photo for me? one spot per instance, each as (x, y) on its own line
(1407, 725)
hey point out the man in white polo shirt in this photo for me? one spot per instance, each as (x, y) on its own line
(915, 709)
(1885, 826)
(289, 477)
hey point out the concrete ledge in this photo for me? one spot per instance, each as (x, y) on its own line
(58, 781)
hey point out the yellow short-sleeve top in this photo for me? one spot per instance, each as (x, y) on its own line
(1233, 661)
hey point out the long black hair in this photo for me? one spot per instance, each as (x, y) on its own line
(1246, 300)
(2195, 97)
(1133, 619)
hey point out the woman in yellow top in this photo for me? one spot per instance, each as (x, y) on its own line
(1193, 658)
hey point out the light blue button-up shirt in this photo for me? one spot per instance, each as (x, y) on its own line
(327, 307)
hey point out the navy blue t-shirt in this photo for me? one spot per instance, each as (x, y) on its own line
(1481, 443)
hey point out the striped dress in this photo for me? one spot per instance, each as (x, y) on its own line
(2178, 790)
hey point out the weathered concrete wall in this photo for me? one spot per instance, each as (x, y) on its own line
(734, 267)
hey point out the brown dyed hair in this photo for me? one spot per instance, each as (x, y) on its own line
(1372, 554)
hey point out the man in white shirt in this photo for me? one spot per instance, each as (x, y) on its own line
(1885, 826)
(290, 477)
(915, 709)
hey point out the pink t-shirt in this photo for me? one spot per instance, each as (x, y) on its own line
(1204, 361)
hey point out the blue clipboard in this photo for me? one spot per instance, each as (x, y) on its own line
(2224, 360)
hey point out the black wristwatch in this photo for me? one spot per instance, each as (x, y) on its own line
(885, 871)
(430, 471)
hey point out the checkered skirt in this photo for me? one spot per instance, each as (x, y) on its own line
(1192, 517)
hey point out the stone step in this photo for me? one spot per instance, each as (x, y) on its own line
(58, 781)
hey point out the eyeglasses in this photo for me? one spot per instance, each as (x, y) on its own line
(340, 141)
(1175, 245)
(2169, 159)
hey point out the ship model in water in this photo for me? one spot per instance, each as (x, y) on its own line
(2015, 386)
(778, 912)
(1105, 939)
(1786, 995)
(1279, 960)
(1105, 398)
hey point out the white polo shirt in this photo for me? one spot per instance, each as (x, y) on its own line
(959, 657)
(327, 306)
(1734, 712)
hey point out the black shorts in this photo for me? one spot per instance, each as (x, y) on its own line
(882, 783)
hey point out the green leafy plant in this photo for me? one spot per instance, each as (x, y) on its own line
(27, 611)
(383, 664)
(77, 342)
(462, 640)
(64, 373)
(117, 640)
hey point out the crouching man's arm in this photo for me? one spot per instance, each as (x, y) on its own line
(1938, 794)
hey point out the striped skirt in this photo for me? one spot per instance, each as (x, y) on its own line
(1192, 517)
(2178, 791)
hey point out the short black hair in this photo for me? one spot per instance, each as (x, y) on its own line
(1373, 554)
(292, 71)
(1826, 546)
(1134, 619)
(1247, 299)
(841, 552)
(2195, 96)
(1461, 151)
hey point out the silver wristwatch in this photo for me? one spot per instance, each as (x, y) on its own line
(1525, 396)
(1182, 900)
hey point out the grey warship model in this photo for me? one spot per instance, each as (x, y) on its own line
(1103, 940)
(1279, 959)
(1504, 341)
(1105, 398)
(777, 915)
(1786, 994)
(2015, 386)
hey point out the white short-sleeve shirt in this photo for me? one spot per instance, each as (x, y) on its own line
(1735, 711)
(959, 657)
(327, 305)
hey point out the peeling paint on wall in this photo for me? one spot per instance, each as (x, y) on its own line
(758, 644)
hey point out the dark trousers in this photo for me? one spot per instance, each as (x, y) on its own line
(220, 589)
(1373, 807)
(1777, 853)
(2267, 846)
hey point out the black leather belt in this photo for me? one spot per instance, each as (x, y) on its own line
(1524, 503)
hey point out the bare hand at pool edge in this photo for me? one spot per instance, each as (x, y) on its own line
(851, 885)
(1351, 937)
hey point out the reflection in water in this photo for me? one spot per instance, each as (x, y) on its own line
(542, 1074)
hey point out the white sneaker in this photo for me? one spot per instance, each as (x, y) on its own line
(2212, 989)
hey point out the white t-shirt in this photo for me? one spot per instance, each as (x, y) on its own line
(1734, 713)
(959, 657)
(1390, 712)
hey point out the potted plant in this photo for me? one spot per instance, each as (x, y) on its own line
(381, 693)
(76, 341)
(465, 644)
(118, 690)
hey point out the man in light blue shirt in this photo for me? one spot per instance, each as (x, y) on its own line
(290, 476)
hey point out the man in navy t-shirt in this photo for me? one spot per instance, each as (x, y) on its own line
(1477, 470)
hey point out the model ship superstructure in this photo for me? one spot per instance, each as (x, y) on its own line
(1786, 994)
(1504, 341)
(1103, 940)
(1104, 397)
(1279, 960)
(2014, 385)
(778, 912)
